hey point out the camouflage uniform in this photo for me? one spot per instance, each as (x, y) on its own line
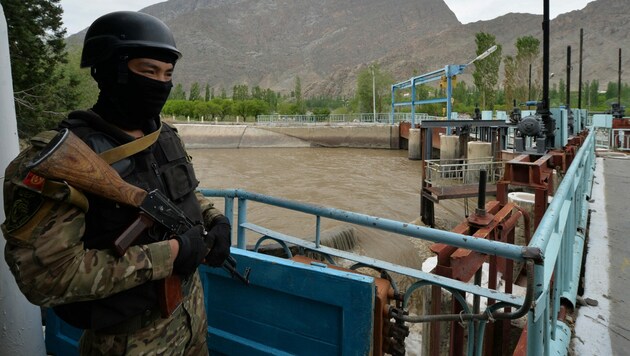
(45, 225)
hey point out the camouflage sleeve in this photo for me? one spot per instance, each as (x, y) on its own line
(208, 210)
(51, 267)
(45, 221)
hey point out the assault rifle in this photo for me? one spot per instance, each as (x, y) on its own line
(68, 158)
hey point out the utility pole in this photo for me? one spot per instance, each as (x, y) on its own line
(529, 84)
(580, 75)
(373, 94)
(21, 322)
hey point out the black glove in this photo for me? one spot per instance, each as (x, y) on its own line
(192, 250)
(218, 240)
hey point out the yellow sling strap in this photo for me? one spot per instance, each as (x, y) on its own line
(115, 154)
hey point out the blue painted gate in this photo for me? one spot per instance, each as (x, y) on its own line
(288, 308)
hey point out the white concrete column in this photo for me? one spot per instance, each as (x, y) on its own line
(20, 322)
(449, 147)
(477, 152)
(415, 152)
(449, 153)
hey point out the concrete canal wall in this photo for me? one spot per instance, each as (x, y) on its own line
(200, 135)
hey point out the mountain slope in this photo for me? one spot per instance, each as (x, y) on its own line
(327, 42)
(270, 42)
(605, 27)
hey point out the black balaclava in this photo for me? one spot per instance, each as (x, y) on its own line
(126, 99)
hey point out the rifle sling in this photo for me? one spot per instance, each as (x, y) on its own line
(118, 153)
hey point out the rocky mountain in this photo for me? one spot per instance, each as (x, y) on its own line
(605, 28)
(327, 42)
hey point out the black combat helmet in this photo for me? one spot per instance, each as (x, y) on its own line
(126, 30)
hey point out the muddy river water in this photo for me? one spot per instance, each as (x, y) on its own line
(376, 182)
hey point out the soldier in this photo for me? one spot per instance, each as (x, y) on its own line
(59, 240)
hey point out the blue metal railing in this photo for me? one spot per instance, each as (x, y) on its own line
(560, 236)
(556, 248)
(335, 119)
(497, 248)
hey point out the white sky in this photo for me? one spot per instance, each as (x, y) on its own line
(79, 14)
(475, 10)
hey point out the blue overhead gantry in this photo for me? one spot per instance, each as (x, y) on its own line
(446, 75)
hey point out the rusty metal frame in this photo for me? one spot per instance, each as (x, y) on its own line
(496, 222)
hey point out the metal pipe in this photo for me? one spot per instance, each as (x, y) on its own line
(543, 111)
(517, 253)
(481, 197)
(21, 323)
(518, 313)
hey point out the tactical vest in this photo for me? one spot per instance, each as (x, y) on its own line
(164, 166)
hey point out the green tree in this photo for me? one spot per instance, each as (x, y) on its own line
(86, 92)
(240, 109)
(213, 109)
(509, 80)
(464, 97)
(224, 107)
(43, 91)
(423, 92)
(207, 96)
(177, 93)
(240, 92)
(611, 90)
(554, 95)
(195, 92)
(486, 74)
(257, 92)
(516, 78)
(180, 107)
(527, 53)
(201, 109)
(322, 112)
(288, 108)
(271, 98)
(562, 92)
(298, 95)
(585, 90)
(382, 83)
(594, 94)
(257, 107)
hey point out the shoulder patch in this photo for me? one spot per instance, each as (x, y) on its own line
(34, 181)
(25, 205)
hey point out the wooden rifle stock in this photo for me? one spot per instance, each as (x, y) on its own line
(69, 159)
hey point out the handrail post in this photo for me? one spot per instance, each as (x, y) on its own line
(536, 332)
(229, 212)
(242, 218)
